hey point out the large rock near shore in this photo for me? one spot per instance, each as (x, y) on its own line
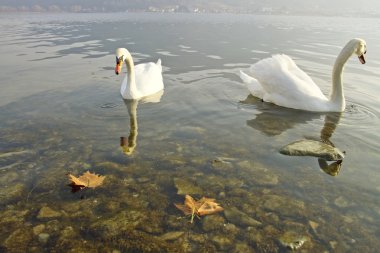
(312, 148)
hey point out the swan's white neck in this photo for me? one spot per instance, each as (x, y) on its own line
(337, 99)
(129, 88)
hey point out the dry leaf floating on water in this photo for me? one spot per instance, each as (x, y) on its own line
(208, 206)
(198, 208)
(87, 179)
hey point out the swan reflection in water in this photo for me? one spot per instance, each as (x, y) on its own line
(129, 144)
(274, 120)
(331, 122)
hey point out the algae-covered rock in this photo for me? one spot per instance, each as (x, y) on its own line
(242, 248)
(48, 213)
(9, 177)
(312, 148)
(114, 225)
(231, 229)
(222, 242)
(137, 241)
(68, 239)
(38, 229)
(11, 216)
(12, 193)
(292, 240)
(19, 240)
(213, 222)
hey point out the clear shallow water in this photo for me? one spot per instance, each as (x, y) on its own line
(61, 112)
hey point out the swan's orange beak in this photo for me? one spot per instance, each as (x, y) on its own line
(118, 68)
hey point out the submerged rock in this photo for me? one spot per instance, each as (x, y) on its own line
(242, 248)
(186, 187)
(222, 242)
(19, 240)
(237, 217)
(258, 173)
(113, 226)
(43, 238)
(11, 193)
(283, 205)
(212, 222)
(312, 148)
(48, 213)
(292, 240)
(8, 177)
(38, 229)
(12, 215)
(171, 236)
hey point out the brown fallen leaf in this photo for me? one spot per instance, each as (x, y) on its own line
(208, 206)
(87, 179)
(199, 208)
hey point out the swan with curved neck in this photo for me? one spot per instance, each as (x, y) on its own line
(279, 80)
(141, 80)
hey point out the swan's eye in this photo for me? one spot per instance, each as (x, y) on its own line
(119, 60)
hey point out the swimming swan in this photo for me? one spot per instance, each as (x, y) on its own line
(279, 80)
(141, 80)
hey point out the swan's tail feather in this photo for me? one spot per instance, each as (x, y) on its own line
(245, 78)
(252, 84)
(158, 64)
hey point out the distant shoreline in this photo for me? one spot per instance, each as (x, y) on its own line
(315, 14)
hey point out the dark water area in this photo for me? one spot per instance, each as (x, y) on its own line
(61, 112)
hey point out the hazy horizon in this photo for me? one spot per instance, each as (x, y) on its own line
(323, 7)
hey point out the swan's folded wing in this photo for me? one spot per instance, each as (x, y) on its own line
(149, 78)
(280, 76)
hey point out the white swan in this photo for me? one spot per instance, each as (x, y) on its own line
(141, 80)
(279, 80)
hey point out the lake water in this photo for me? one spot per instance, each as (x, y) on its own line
(61, 112)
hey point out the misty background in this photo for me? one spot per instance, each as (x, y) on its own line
(365, 8)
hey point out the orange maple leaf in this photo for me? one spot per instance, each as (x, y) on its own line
(199, 208)
(87, 179)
